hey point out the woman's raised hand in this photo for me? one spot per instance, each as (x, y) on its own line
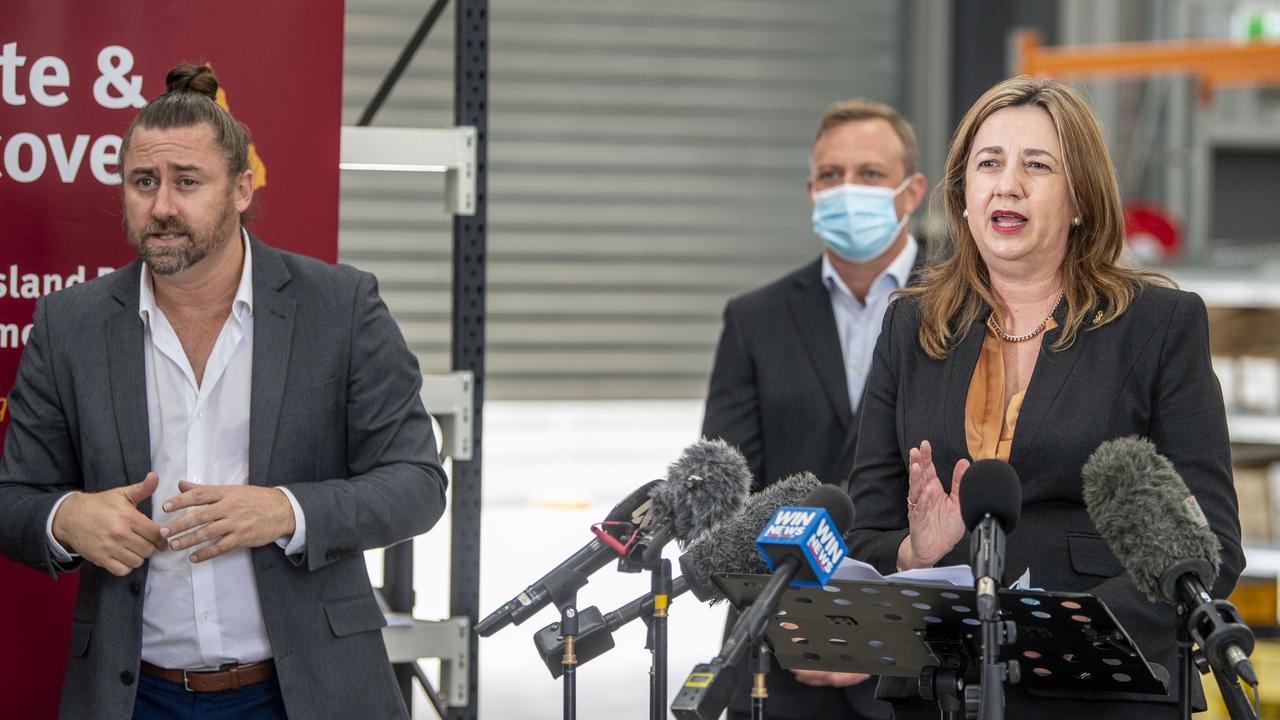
(933, 515)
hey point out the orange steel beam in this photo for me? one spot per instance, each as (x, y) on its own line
(1212, 62)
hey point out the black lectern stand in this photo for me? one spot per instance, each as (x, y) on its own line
(932, 632)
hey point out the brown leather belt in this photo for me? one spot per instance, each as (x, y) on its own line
(232, 678)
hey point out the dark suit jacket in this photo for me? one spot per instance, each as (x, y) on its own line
(778, 392)
(778, 389)
(335, 416)
(1147, 373)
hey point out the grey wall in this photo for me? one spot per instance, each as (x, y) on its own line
(647, 161)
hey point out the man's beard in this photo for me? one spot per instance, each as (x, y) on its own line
(174, 259)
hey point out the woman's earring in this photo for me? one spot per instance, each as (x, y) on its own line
(965, 213)
(1076, 221)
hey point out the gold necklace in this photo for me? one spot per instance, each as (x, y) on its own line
(991, 322)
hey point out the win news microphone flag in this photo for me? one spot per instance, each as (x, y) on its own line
(803, 545)
(807, 534)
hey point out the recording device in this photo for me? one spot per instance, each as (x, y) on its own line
(728, 548)
(813, 540)
(706, 485)
(1155, 527)
(990, 503)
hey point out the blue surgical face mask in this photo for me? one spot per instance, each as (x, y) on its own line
(858, 222)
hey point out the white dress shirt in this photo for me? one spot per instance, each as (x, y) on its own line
(858, 324)
(207, 614)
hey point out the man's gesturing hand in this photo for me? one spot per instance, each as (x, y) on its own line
(106, 528)
(227, 517)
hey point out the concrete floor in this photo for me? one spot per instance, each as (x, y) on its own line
(550, 471)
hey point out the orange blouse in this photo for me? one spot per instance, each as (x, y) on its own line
(988, 427)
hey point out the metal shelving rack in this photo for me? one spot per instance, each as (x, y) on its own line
(456, 400)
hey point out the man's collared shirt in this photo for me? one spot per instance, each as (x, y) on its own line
(858, 324)
(200, 615)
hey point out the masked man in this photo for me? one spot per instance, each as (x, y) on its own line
(793, 357)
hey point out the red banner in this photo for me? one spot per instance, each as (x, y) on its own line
(72, 76)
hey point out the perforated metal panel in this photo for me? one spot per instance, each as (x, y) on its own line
(646, 162)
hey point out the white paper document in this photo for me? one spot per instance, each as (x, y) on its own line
(960, 575)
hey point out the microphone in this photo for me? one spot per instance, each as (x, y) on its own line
(728, 548)
(990, 503)
(588, 559)
(642, 606)
(1155, 527)
(811, 536)
(731, 547)
(703, 487)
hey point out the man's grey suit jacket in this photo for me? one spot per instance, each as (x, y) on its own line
(335, 416)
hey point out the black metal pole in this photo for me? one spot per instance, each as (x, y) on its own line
(397, 562)
(759, 688)
(1238, 706)
(471, 107)
(992, 698)
(397, 590)
(402, 62)
(1184, 666)
(569, 662)
(661, 589)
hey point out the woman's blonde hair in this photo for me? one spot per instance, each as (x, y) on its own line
(955, 291)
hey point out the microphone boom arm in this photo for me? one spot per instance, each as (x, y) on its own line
(706, 692)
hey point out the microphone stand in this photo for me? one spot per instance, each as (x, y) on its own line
(760, 671)
(564, 593)
(1216, 627)
(661, 589)
(988, 549)
(995, 674)
(709, 687)
(1184, 664)
(1238, 706)
(569, 626)
(646, 554)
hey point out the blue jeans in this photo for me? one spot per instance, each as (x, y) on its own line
(162, 700)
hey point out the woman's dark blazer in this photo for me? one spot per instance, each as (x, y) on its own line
(1146, 373)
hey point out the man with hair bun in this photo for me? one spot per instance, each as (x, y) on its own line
(212, 435)
(794, 355)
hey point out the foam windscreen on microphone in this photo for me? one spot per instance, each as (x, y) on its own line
(705, 486)
(835, 501)
(731, 547)
(1147, 515)
(991, 487)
